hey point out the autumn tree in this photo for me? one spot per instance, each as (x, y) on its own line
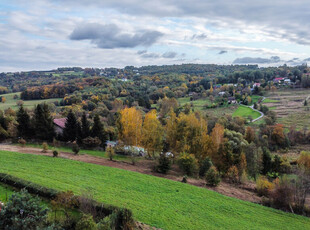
(130, 126)
(171, 131)
(249, 134)
(152, 133)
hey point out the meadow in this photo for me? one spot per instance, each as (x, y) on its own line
(245, 112)
(11, 102)
(155, 201)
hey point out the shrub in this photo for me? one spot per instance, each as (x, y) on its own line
(264, 186)
(304, 160)
(91, 142)
(110, 152)
(213, 177)
(22, 142)
(44, 147)
(55, 153)
(282, 195)
(164, 164)
(86, 223)
(188, 163)
(233, 175)
(204, 167)
(75, 148)
(22, 212)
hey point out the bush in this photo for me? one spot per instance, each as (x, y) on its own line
(55, 153)
(188, 164)
(282, 195)
(22, 142)
(264, 186)
(204, 167)
(23, 212)
(86, 223)
(110, 152)
(91, 142)
(164, 164)
(44, 147)
(75, 148)
(213, 177)
(233, 175)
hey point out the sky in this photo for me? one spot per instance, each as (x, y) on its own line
(47, 34)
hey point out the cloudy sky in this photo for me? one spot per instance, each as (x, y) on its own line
(46, 34)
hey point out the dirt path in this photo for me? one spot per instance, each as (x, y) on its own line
(244, 192)
(261, 113)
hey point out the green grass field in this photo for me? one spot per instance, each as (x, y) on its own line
(11, 102)
(245, 112)
(96, 153)
(197, 104)
(155, 201)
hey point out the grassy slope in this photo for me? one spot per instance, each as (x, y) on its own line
(155, 201)
(11, 102)
(244, 111)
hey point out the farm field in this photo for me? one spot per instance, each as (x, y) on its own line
(197, 104)
(289, 107)
(245, 112)
(11, 102)
(156, 201)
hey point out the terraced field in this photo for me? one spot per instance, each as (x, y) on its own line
(156, 201)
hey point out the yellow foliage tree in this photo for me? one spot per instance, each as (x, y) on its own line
(3, 100)
(130, 126)
(171, 130)
(152, 133)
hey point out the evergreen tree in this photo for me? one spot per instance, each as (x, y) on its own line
(85, 129)
(24, 127)
(70, 131)
(43, 122)
(98, 130)
(267, 163)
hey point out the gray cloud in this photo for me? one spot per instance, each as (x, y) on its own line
(307, 59)
(257, 60)
(222, 52)
(283, 19)
(199, 36)
(142, 52)
(150, 55)
(110, 36)
(169, 55)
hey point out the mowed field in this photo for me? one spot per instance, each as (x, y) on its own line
(289, 107)
(155, 201)
(244, 111)
(11, 102)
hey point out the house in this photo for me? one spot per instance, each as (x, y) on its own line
(111, 143)
(256, 85)
(278, 80)
(287, 81)
(232, 100)
(59, 125)
(222, 93)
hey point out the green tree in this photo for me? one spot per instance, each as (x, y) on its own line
(70, 131)
(85, 126)
(266, 163)
(43, 122)
(24, 127)
(98, 131)
(23, 212)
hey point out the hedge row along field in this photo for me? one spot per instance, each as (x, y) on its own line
(155, 201)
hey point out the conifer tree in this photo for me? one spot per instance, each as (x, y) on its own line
(85, 128)
(43, 122)
(24, 126)
(98, 130)
(70, 131)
